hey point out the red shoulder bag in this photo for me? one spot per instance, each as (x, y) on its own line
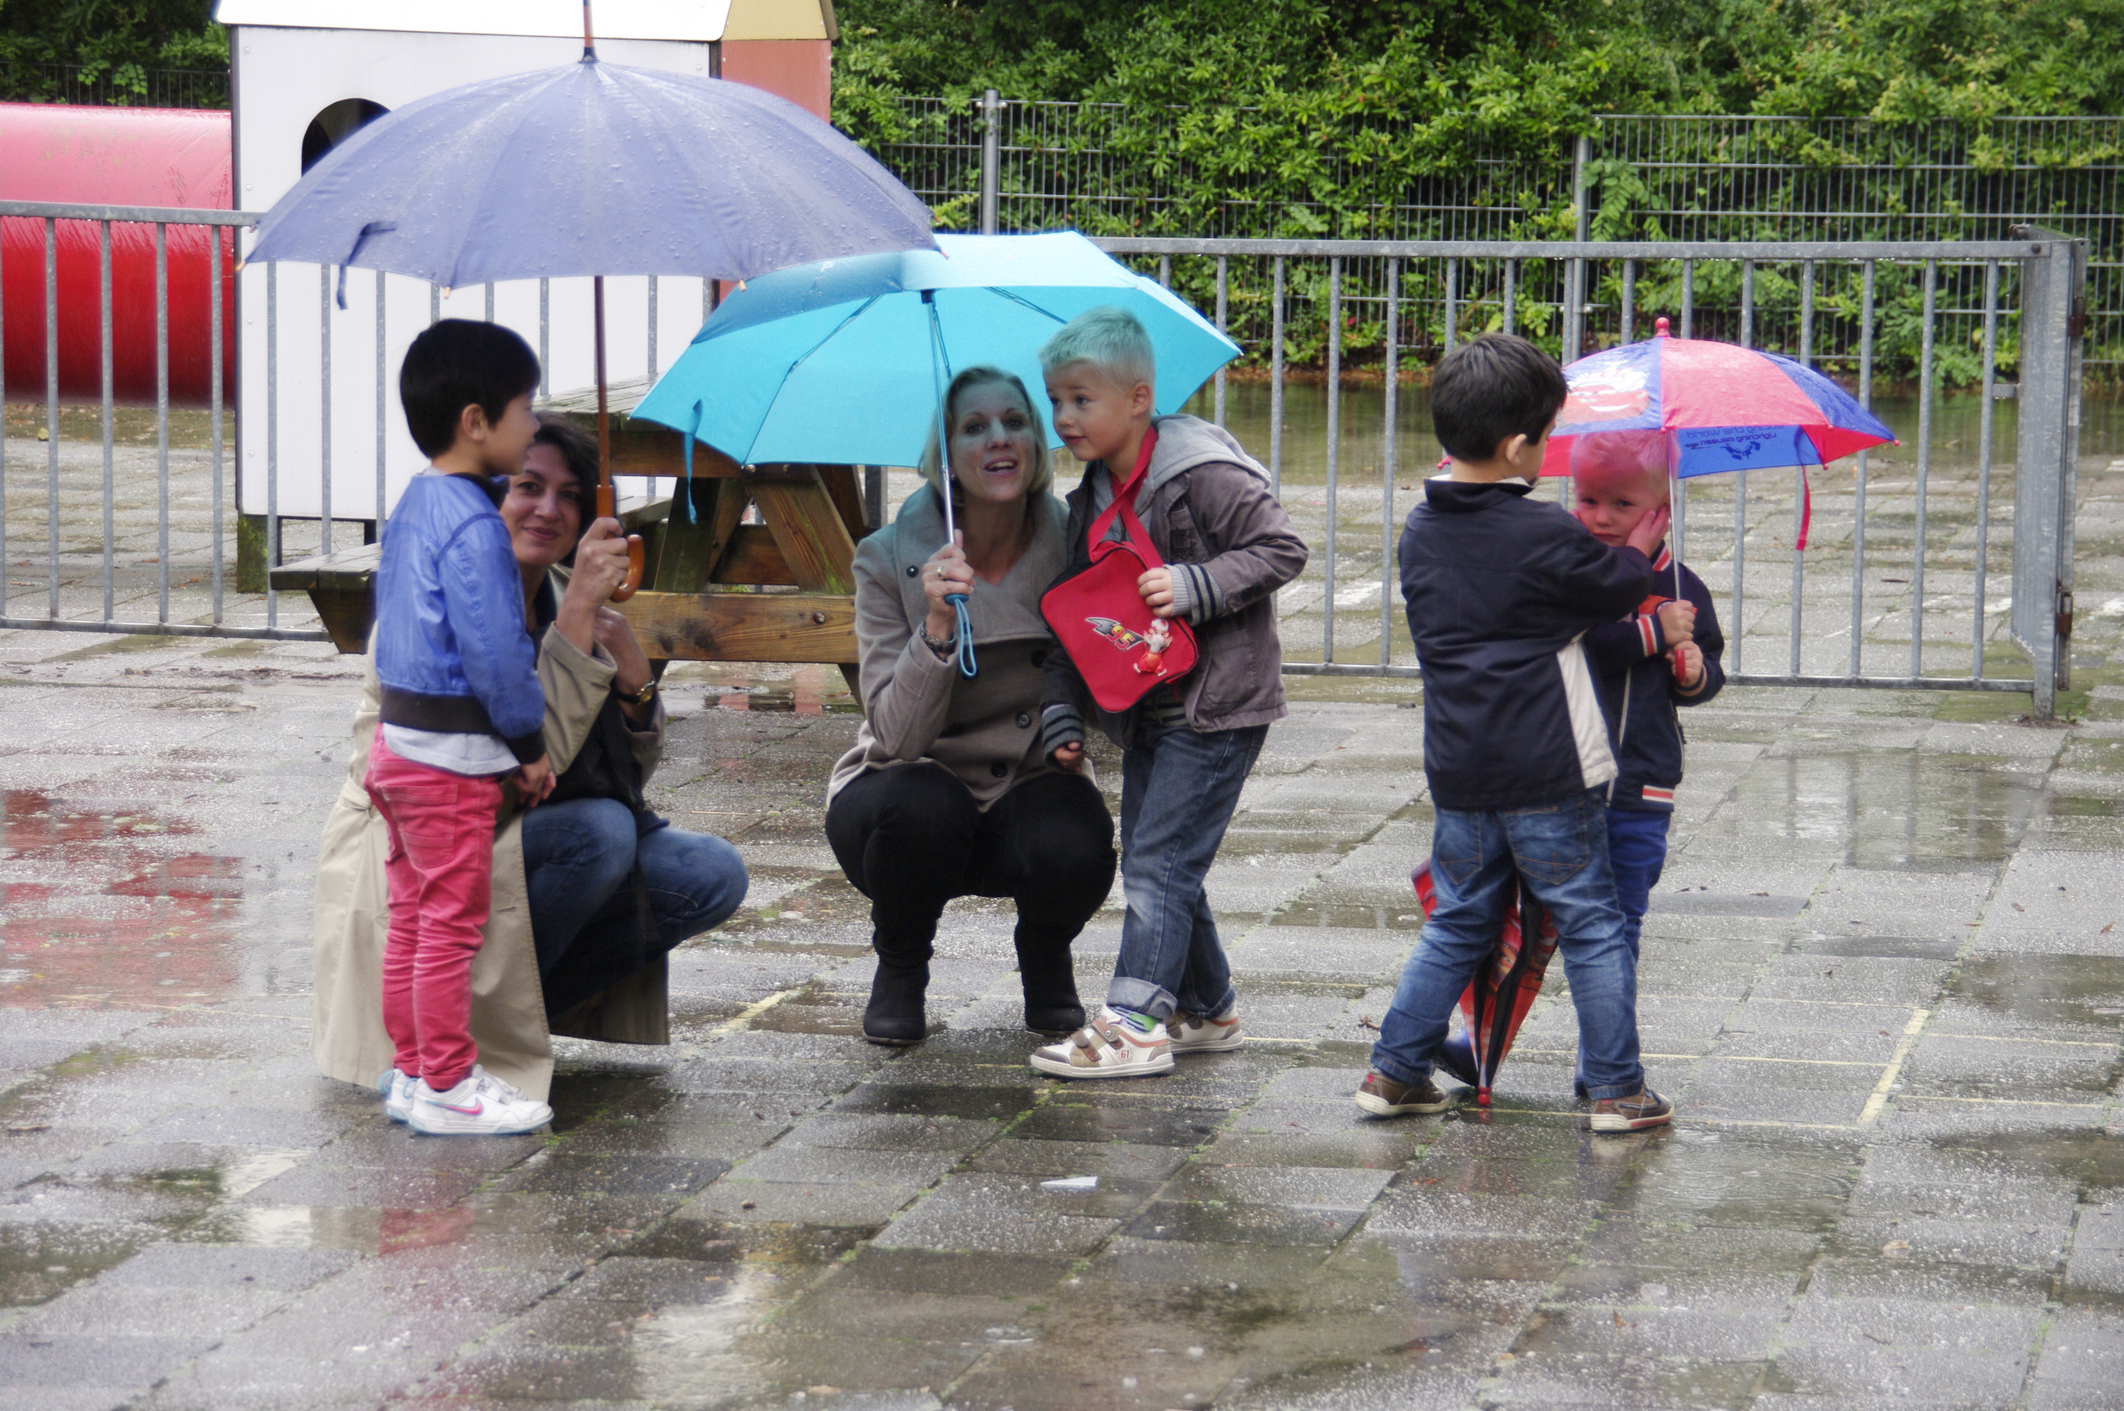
(1100, 618)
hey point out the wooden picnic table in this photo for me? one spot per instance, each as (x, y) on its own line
(744, 563)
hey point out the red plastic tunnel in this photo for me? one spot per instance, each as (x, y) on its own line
(116, 157)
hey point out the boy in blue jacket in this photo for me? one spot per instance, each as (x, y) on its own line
(1501, 590)
(462, 711)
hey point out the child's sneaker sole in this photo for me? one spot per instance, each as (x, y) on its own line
(1199, 1033)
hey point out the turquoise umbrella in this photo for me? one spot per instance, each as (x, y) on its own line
(842, 362)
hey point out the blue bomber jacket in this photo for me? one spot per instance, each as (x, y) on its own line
(452, 649)
(1639, 695)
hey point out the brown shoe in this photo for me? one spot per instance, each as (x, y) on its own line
(1383, 1097)
(1630, 1114)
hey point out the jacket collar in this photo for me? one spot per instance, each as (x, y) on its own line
(1450, 496)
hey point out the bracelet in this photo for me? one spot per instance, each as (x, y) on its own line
(943, 647)
(641, 697)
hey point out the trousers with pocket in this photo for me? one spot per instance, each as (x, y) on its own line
(439, 867)
(1561, 850)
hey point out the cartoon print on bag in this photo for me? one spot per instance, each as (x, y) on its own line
(1122, 638)
(1160, 641)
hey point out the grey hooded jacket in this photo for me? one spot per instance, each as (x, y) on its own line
(1212, 517)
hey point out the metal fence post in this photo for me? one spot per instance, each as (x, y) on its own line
(1575, 284)
(991, 158)
(2053, 286)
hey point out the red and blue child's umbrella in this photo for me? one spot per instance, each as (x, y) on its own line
(1720, 407)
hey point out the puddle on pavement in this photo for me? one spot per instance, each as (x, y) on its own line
(99, 910)
(2092, 1158)
(40, 1262)
(2080, 990)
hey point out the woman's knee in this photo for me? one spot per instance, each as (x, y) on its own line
(696, 881)
(909, 815)
(595, 838)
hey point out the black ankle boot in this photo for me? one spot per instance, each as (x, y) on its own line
(894, 1014)
(1051, 1004)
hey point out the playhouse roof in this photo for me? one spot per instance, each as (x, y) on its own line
(614, 19)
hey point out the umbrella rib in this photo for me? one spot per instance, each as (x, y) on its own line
(1017, 298)
(790, 372)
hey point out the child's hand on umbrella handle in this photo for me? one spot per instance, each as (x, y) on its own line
(1677, 621)
(1688, 661)
(1070, 757)
(1650, 530)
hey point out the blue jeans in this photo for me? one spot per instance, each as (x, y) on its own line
(1178, 790)
(1637, 852)
(1562, 852)
(585, 920)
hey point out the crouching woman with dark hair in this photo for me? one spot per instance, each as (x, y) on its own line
(590, 889)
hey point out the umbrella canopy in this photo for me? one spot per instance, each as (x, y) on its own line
(1722, 407)
(592, 169)
(839, 362)
(1496, 1001)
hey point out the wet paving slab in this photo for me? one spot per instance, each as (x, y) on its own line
(1883, 980)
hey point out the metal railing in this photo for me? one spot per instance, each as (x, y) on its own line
(73, 577)
(1898, 588)
(1432, 294)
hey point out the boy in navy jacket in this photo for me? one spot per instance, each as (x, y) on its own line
(462, 711)
(1501, 590)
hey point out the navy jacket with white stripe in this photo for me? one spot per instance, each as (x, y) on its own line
(1500, 590)
(1638, 692)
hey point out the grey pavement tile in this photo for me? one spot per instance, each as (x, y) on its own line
(1075, 1115)
(119, 1361)
(642, 1177)
(1241, 1222)
(842, 1166)
(802, 1203)
(1052, 1159)
(947, 1225)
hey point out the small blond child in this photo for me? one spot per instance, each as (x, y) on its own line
(1188, 745)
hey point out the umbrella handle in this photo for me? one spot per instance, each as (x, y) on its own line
(632, 583)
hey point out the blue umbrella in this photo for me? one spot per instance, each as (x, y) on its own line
(839, 363)
(592, 169)
(845, 362)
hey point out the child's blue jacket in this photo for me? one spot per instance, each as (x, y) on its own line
(1638, 694)
(452, 652)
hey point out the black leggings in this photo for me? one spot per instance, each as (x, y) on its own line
(910, 837)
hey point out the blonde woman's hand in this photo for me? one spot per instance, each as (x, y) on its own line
(947, 572)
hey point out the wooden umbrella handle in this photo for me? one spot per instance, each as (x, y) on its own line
(632, 584)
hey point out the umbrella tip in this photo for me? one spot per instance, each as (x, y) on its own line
(1661, 327)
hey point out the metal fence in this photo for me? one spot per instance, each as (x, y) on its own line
(1914, 576)
(1108, 170)
(119, 86)
(1898, 584)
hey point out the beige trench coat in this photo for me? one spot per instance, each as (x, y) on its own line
(508, 1007)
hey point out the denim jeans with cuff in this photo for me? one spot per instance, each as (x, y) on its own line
(1178, 789)
(585, 921)
(1562, 852)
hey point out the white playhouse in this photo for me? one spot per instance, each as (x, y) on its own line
(319, 431)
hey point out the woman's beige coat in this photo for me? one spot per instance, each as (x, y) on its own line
(508, 1007)
(915, 706)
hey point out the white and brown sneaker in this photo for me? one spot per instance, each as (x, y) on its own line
(1111, 1046)
(1630, 1114)
(1203, 1033)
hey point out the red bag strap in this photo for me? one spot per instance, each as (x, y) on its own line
(1124, 505)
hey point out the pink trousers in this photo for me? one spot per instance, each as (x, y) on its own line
(440, 867)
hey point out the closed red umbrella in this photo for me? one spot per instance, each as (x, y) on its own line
(1496, 1001)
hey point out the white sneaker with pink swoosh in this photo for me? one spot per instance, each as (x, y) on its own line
(481, 1105)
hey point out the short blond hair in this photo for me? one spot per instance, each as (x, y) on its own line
(1633, 457)
(982, 375)
(1112, 340)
